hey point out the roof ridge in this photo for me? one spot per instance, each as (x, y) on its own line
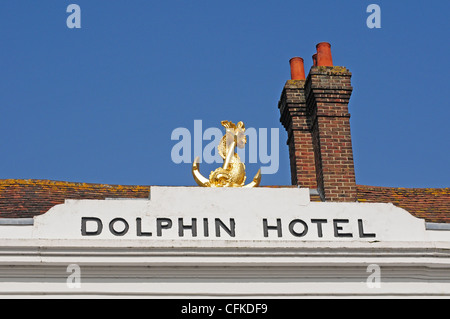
(61, 183)
(56, 182)
(407, 188)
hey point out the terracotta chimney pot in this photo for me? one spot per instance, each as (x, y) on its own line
(324, 57)
(297, 68)
(314, 57)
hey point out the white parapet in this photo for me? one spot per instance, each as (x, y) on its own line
(205, 242)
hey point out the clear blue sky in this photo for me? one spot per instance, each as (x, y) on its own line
(99, 104)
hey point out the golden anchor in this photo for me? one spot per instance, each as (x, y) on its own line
(232, 172)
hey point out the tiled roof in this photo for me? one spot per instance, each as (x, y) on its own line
(432, 204)
(28, 198)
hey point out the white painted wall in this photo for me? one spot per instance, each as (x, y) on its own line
(412, 261)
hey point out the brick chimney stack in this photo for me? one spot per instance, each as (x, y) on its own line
(315, 115)
(292, 107)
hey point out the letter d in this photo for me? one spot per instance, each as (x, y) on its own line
(84, 231)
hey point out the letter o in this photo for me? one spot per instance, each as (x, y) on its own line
(292, 225)
(118, 233)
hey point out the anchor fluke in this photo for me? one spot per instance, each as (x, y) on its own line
(198, 177)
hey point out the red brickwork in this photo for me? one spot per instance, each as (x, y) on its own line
(328, 91)
(292, 107)
(315, 115)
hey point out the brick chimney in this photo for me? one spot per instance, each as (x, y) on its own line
(314, 112)
(292, 107)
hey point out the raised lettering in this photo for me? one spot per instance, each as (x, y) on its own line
(84, 231)
(139, 232)
(162, 223)
(361, 231)
(230, 231)
(319, 223)
(182, 227)
(266, 227)
(292, 230)
(338, 228)
(114, 231)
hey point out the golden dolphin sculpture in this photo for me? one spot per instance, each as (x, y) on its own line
(232, 172)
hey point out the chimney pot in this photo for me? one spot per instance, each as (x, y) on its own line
(297, 68)
(314, 57)
(324, 57)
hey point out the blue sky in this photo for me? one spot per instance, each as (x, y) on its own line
(99, 104)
